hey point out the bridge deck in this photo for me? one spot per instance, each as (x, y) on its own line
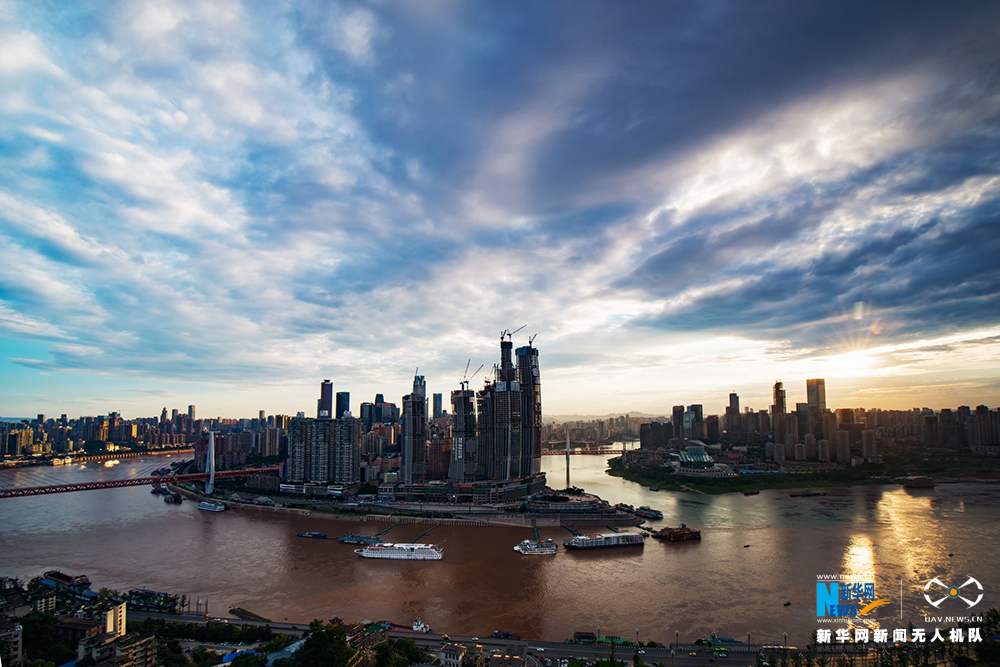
(21, 491)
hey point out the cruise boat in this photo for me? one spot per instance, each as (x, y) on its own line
(402, 551)
(601, 540)
(622, 507)
(648, 513)
(537, 547)
(210, 506)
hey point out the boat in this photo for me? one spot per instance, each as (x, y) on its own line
(648, 513)
(68, 580)
(654, 488)
(603, 540)
(402, 551)
(788, 603)
(211, 506)
(351, 538)
(806, 494)
(321, 536)
(752, 492)
(172, 498)
(157, 489)
(537, 547)
(622, 507)
(680, 534)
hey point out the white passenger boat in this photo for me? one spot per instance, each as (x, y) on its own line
(402, 551)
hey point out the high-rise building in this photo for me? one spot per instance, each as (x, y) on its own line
(191, 413)
(678, 421)
(343, 404)
(464, 444)
(529, 379)
(414, 463)
(697, 430)
(733, 413)
(868, 444)
(324, 407)
(498, 407)
(438, 407)
(816, 393)
(509, 417)
(347, 450)
(310, 449)
(367, 415)
(324, 451)
(778, 418)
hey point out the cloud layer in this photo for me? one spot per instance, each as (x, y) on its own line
(252, 196)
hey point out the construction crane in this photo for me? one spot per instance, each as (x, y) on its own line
(466, 378)
(507, 333)
(531, 338)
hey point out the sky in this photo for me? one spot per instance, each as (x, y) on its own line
(222, 203)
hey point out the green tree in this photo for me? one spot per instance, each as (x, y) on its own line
(38, 662)
(324, 647)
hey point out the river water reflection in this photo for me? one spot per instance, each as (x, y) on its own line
(128, 537)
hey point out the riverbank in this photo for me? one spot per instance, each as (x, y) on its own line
(384, 514)
(848, 477)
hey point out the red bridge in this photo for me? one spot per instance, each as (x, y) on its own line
(20, 491)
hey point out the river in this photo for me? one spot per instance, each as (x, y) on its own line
(127, 537)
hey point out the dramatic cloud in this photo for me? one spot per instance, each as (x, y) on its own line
(224, 202)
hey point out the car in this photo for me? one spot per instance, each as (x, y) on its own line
(640, 652)
(539, 648)
(693, 653)
(445, 637)
(475, 639)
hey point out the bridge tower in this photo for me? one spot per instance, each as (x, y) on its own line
(567, 455)
(210, 455)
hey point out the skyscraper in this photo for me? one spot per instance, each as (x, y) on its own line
(529, 379)
(816, 400)
(733, 413)
(343, 404)
(778, 412)
(678, 418)
(816, 394)
(509, 417)
(324, 407)
(414, 464)
(438, 407)
(464, 444)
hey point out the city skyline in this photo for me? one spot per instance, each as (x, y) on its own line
(219, 204)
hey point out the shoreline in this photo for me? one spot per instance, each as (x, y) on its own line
(780, 482)
(507, 521)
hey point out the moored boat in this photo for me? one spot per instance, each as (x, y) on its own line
(351, 538)
(317, 535)
(211, 506)
(537, 547)
(648, 513)
(402, 551)
(604, 540)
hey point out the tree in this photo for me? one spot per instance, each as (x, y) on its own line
(324, 647)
